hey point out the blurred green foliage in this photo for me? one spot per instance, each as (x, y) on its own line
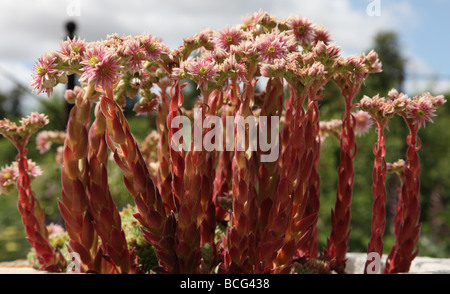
(435, 163)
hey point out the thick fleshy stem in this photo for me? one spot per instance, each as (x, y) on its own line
(270, 231)
(298, 162)
(240, 240)
(207, 217)
(379, 194)
(309, 248)
(164, 175)
(337, 243)
(223, 176)
(159, 228)
(186, 189)
(75, 177)
(106, 218)
(404, 250)
(269, 171)
(33, 218)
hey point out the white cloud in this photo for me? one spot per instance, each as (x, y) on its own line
(29, 28)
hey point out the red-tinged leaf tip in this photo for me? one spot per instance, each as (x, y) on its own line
(154, 220)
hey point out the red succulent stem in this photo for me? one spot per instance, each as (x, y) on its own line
(106, 217)
(240, 240)
(310, 247)
(164, 175)
(158, 227)
(292, 197)
(270, 231)
(379, 194)
(337, 244)
(74, 176)
(33, 218)
(404, 250)
(187, 190)
(223, 176)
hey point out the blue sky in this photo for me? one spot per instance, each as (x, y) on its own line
(425, 33)
(29, 28)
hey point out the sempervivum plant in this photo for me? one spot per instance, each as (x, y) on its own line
(232, 186)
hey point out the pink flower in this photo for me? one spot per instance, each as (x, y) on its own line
(301, 28)
(273, 46)
(8, 177)
(54, 229)
(136, 55)
(232, 67)
(45, 76)
(72, 51)
(202, 70)
(363, 122)
(228, 37)
(420, 110)
(251, 21)
(100, 67)
(45, 139)
(372, 62)
(321, 34)
(10, 173)
(153, 47)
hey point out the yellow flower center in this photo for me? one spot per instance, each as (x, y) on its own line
(93, 61)
(300, 30)
(41, 70)
(420, 113)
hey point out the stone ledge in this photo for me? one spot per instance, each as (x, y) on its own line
(355, 265)
(420, 265)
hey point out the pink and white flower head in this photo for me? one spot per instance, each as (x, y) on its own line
(372, 63)
(72, 51)
(202, 71)
(274, 45)
(273, 69)
(358, 69)
(8, 177)
(232, 67)
(363, 122)
(135, 56)
(45, 76)
(100, 67)
(251, 21)
(301, 28)
(10, 173)
(321, 35)
(54, 229)
(228, 37)
(420, 110)
(153, 47)
(45, 139)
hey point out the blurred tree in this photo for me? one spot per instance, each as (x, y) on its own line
(388, 47)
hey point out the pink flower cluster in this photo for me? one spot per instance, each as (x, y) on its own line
(418, 110)
(10, 173)
(19, 134)
(45, 139)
